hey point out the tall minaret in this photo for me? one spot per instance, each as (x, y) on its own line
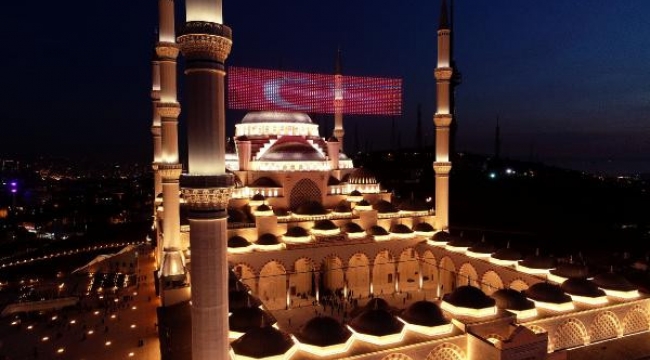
(338, 101)
(207, 188)
(173, 277)
(442, 119)
(155, 127)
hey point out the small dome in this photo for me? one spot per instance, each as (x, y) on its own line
(280, 211)
(377, 303)
(267, 239)
(546, 292)
(461, 241)
(264, 182)
(377, 322)
(362, 176)
(343, 207)
(263, 207)
(310, 208)
(262, 342)
(538, 262)
(258, 197)
(237, 215)
(384, 207)
(571, 270)
(352, 228)
(296, 231)
(323, 331)
(613, 281)
(257, 117)
(581, 287)
(332, 139)
(413, 205)
(237, 242)
(423, 227)
(507, 254)
(363, 203)
(469, 297)
(512, 299)
(377, 230)
(441, 236)
(483, 247)
(424, 313)
(325, 225)
(400, 229)
(247, 318)
(332, 181)
(352, 193)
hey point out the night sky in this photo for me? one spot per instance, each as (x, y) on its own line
(569, 80)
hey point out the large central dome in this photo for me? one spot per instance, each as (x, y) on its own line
(276, 117)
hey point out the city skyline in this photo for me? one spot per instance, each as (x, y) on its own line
(566, 80)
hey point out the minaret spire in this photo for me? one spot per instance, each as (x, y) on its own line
(338, 100)
(173, 276)
(207, 187)
(442, 120)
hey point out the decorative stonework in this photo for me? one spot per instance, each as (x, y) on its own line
(443, 73)
(156, 131)
(170, 171)
(205, 47)
(169, 109)
(167, 51)
(442, 168)
(155, 95)
(442, 120)
(207, 199)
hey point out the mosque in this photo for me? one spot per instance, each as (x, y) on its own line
(287, 227)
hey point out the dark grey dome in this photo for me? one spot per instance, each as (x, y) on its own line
(262, 342)
(323, 331)
(469, 297)
(377, 322)
(331, 181)
(258, 197)
(413, 205)
(267, 239)
(296, 231)
(352, 193)
(361, 176)
(546, 292)
(461, 241)
(541, 262)
(483, 247)
(264, 182)
(377, 230)
(423, 227)
(507, 254)
(238, 299)
(292, 148)
(441, 236)
(343, 207)
(512, 299)
(352, 228)
(581, 287)
(400, 229)
(363, 203)
(613, 281)
(237, 242)
(310, 208)
(325, 225)
(424, 313)
(383, 207)
(571, 270)
(263, 207)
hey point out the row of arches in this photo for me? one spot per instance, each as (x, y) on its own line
(361, 276)
(444, 351)
(605, 325)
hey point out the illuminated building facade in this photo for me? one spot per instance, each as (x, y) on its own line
(295, 221)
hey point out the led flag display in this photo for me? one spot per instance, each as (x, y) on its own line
(260, 89)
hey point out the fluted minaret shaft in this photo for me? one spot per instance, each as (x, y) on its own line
(169, 166)
(207, 187)
(155, 128)
(338, 101)
(442, 120)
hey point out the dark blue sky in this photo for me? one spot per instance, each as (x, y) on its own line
(569, 79)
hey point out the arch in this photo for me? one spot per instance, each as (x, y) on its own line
(467, 275)
(383, 273)
(246, 274)
(397, 356)
(301, 281)
(358, 275)
(446, 351)
(332, 277)
(273, 285)
(304, 191)
(519, 285)
(570, 334)
(491, 282)
(429, 270)
(447, 275)
(408, 270)
(605, 326)
(636, 320)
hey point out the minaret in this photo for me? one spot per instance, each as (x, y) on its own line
(173, 279)
(156, 130)
(338, 101)
(207, 188)
(442, 120)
